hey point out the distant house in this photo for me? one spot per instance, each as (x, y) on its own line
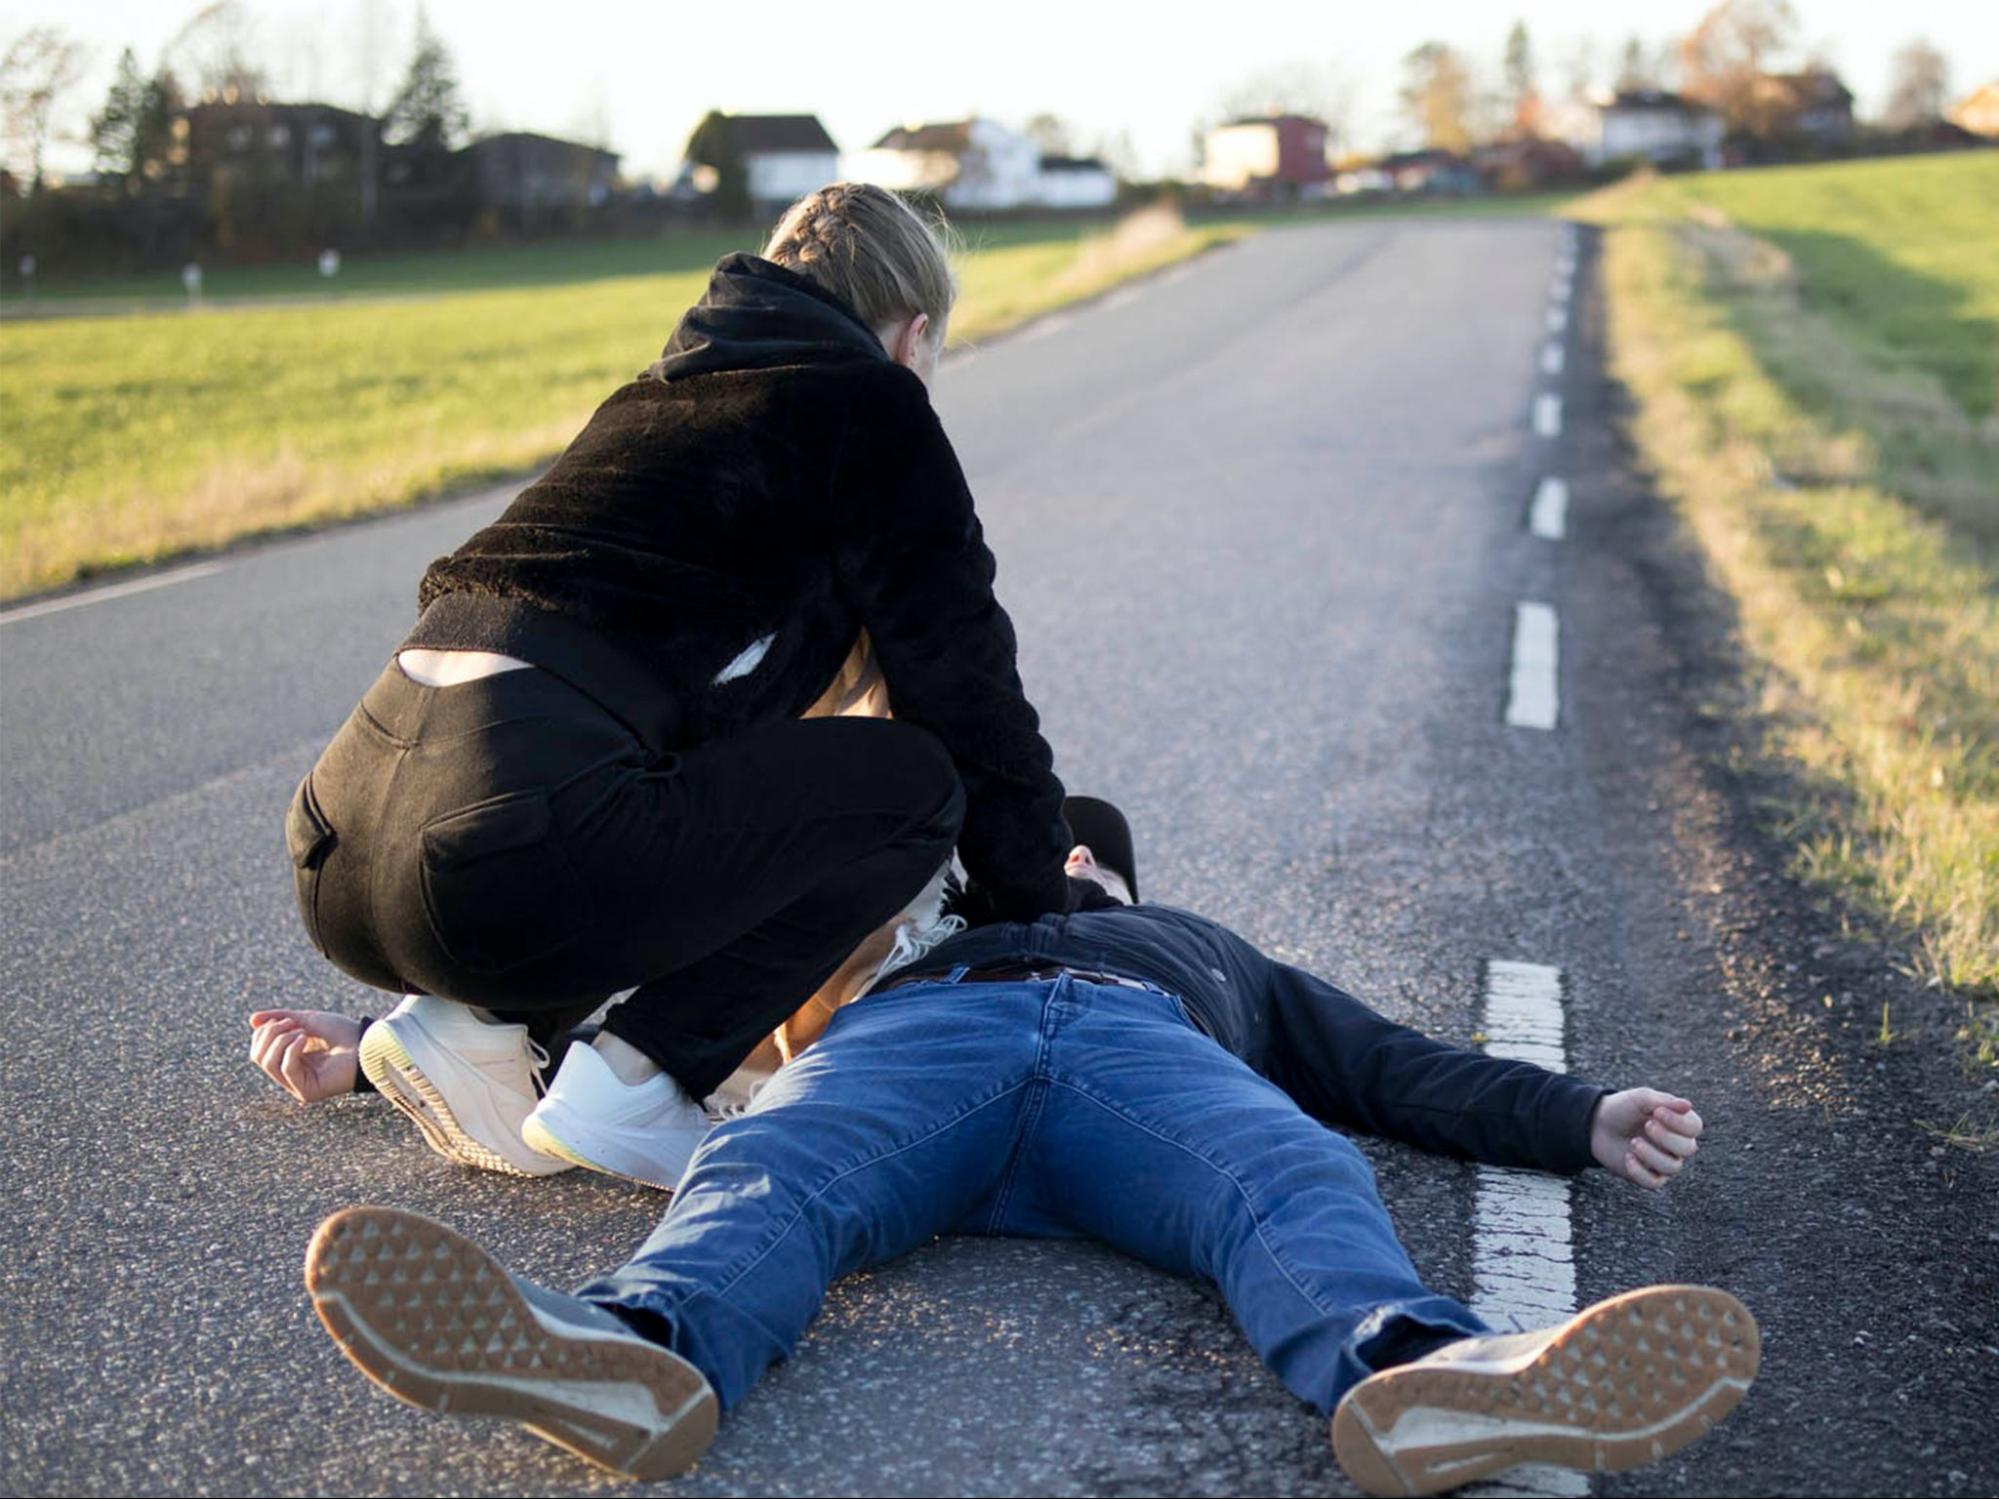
(974, 164)
(258, 141)
(1431, 171)
(1272, 157)
(1075, 182)
(1528, 161)
(1812, 106)
(786, 156)
(1640, 124)
(520, 172)
(1978, 111)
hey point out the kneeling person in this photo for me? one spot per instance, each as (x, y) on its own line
(1097, 1075)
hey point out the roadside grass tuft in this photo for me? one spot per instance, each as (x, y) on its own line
(1848, 501)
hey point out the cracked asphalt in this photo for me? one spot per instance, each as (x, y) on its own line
(1261, 530)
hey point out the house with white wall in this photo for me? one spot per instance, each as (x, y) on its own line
(1647, 124)
(1075, 182)
(786, 156)
(981, 165)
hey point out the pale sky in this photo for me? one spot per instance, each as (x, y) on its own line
(642, 74)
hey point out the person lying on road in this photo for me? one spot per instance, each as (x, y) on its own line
(1098, 1075)
(1299, 1032)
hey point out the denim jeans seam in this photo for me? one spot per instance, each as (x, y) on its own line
(1003, 1198)
(1256, 1214)
(730, 1278)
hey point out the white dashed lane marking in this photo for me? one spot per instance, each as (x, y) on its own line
(1558, 319)
(1531, 700)
(1523, 1247)
(1552, 358)
(1548, 415)
(1548, 516)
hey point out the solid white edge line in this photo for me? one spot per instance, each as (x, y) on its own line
(1532, 701)
(1548, 516)
(1548, 414)
(110, 591)
(1523, 1252)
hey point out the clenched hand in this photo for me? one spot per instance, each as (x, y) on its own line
(1644, 1136)
(311, 1054)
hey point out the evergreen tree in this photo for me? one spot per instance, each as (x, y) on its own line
(427, 113)
(114, 129)
(153, 137)
(713, 145)
(1519, 67)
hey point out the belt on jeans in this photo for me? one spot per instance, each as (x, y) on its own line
(1016, 973)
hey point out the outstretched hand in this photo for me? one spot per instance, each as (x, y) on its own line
(311, 1054)
(1644, 1136)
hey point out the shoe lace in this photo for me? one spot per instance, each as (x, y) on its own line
(735, 1108)
(538, 1055)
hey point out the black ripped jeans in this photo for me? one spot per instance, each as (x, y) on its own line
(512, 844)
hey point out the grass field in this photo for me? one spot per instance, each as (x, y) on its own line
(1813, 351)
(137, 429)
(135, 437)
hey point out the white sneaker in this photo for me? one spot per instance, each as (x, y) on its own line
(468, 1083)
(1623, 1382)
(645, 1132)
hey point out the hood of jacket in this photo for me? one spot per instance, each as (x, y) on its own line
(756, 315)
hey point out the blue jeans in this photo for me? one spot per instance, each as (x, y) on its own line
(1050, 1109)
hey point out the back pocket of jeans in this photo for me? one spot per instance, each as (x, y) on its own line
(309, 838)
(497, 887)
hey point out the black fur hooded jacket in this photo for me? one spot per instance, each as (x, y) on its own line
(775, 475)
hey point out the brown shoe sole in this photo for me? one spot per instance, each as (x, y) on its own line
(1625, 1382)
(434, 1320)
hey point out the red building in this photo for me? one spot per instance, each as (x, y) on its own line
(1270, 157)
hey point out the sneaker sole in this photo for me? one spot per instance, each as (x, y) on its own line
(537, 1136)
(438, 1323)
(397, 1078)
(1625, 1382)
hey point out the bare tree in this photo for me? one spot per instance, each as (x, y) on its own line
(1724, 58)
(217, 49)
(1921, 77)
(1050, 133)
(1323, 91)
(371, 29)
(40, 66)
(1438, 97)
(1638, 66)
(1577, 66)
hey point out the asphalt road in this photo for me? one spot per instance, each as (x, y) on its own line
(1260, 526)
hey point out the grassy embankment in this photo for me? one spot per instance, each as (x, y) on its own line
(1815, 352)
(135, 436)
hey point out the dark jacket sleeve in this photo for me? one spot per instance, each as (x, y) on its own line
(916, 568)
(1352, 1067)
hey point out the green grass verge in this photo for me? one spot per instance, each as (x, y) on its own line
(132, 438)
(1821, 446)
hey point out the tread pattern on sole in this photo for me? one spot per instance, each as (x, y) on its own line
(1626, 1382)
(398, 1079)
(434, 1320)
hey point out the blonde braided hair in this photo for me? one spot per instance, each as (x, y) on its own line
(870, 249)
